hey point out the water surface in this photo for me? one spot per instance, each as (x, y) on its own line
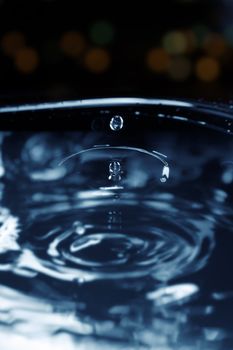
(113, 240)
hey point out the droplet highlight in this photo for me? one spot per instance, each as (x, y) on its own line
(165, 174)
(116, 123)
(115, 171)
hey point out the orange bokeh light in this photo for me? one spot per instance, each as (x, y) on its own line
(97, 60)
(26, 60)
(207, 69)
(215, 45)
(73, 43)
(11, 42)
(158, 60)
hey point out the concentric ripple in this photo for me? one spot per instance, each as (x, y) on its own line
(105, 242)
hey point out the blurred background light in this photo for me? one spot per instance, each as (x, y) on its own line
(101, 32)
(158, 60)
(97, 60)
(26, 60)
(200, 31)
(207, 69)
(191, 41)
(133, 55)
(175, 42)
(228, 34)
(180, 68)
(72, 43)
(215, 45)
(11, 42)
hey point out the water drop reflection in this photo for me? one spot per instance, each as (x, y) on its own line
(116, 123)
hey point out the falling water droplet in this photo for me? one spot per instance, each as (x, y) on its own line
(115, 171)
(116, 123)
(165, 173)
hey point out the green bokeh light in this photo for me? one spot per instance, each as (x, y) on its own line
(201, 32)
(228, 34)
(102, 32)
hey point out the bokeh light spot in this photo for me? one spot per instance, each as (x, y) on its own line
(180, 68)
(102, 32)
(201, 33)
(207, 69)
(97, 60)
(158, 60)
(175, 42)
(215, 45)
(191, 41)
(11, 42)
(228, 34)
(73, 43)
(26, 60)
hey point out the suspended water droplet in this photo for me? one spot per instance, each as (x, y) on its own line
(115, 171)
(79, 228)
(165, 173)
(116, 123)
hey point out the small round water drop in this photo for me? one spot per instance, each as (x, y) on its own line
(116, 123)
(79, 228)
(115, 171)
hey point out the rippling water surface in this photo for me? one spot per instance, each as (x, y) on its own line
(108, 247)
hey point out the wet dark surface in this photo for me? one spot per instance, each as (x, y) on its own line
(107, 244)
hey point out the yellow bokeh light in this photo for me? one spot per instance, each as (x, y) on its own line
(215, 45)
(11, 42)
(180, 68)
(207, 69)
(72, 43)
(158, 60)
(97, 60)
(26, 60)
(175, 42)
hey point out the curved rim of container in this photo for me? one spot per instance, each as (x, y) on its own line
(118, 101)
(207, 114)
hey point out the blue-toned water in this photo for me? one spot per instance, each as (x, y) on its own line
(108, 244)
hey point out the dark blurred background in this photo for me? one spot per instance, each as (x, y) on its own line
(51, 50)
